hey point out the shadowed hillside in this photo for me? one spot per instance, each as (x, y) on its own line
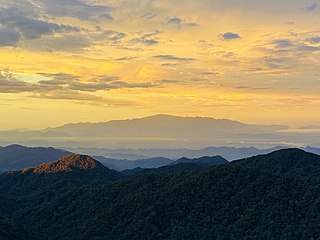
(15, 157)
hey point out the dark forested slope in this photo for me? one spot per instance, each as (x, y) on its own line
(228, 202)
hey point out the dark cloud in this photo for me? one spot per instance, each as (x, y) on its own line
(175, 20)
(106, 83)
(173, 58)
(76, 9)
(74, 42)
(83, 98)
(210, 74)
(288, 45)
(147, 39)
(62, 82)
(313, 7)
(179, 22)
(10, 84)
(282, 43)
(169, 81)
(169, 64)
(114, 36)
(9, 37)
(148, 15)
(17, 20)
(229, 36)
(306, 48)
(125, 58)
(314, 40)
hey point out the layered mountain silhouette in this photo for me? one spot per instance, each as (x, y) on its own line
(203, 161)
(15, 157)
(161, 131)
(272, 196)
(182, 165)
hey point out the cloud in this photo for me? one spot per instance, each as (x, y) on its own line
(84, 98)
(179, 22)
(306, 48)
(295, 45)
(229, 36)
(62, 82)
(282, 43)
(312, 7)
(19, 20)
(314, 40)
(76, 9)
(173, 58)
(175, 21)
(10, 84)
(147, 39)
(106, 83)
(114, 36)
(72, 42)
(9, 37)
(148, 15)
(125, 58)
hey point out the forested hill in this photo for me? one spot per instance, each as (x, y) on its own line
(287, 161)
(227, 202)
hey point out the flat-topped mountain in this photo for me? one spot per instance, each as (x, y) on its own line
(287, 161)
(205, 161)
(162, 126)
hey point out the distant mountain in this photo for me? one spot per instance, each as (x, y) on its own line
(121, 165)
(15, 157)
(229, 153)
(182, 165)
(203, 161)
(161, 125)
(170, 169)
(287, 161)
(159, 131)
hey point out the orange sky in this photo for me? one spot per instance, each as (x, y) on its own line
(71, 61)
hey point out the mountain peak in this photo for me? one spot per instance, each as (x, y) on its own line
(286, 161)
(68, 163)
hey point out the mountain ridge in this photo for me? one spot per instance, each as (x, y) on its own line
(292, 161)
(70, 162)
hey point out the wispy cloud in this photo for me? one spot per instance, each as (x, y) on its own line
(173, 58)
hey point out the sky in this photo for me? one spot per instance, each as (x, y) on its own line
(95, 60)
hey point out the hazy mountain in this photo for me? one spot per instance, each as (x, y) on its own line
(160, 131)
(229, 153)
(181, 165)
(15, 157)
(266, 197)
(204, 161)
(127, 164)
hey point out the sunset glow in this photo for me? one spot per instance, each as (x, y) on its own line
(97, 60)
